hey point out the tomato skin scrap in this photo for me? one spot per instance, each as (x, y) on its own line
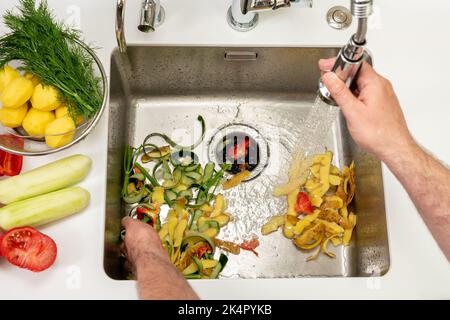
(28, 248)
(303, 204)
(250, 245)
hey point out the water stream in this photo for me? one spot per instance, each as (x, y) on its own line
(288, 130)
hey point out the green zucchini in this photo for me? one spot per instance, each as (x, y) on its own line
(147, 175)
(195, 237)
(134, 196)
(138, 176)
(158, 153)
(157, 173)
(190, 269)
(177, 173)
(44, 208)
(185, 194)
(193, 225)
(51, 177)
(186, 180)
(172, 195)
(219, 267)
(192, 167)
(209, 171)
(167, 175)
(209, 224)
(198, 263)
(194, 175)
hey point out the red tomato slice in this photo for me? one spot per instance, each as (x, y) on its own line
(303, 204)
(2, 158)
(28, 248)
(12, 164)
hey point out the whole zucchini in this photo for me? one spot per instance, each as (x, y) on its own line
(44, 208)
(51, 177)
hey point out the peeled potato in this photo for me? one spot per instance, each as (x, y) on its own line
(62, 111)
(33, 78)
(45, 98)
(17, 92)
(12, 118)
(60, 132)
(36, 121)
(6, 75)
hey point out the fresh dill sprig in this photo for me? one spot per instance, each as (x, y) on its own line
(48, 50)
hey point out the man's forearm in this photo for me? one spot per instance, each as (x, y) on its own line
(428, 184)
(159, 279)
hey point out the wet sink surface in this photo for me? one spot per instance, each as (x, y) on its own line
(268, 91)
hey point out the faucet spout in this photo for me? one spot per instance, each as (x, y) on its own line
(352, 55)
(150, 15)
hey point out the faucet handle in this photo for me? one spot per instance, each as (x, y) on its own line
(281, 4)
(258, 5)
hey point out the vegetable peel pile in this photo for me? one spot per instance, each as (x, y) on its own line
(171, 176)
(318, 195)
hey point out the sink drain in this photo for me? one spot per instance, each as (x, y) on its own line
(242, 146)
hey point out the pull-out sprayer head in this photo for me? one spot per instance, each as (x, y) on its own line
(350, 58)
(361, 8)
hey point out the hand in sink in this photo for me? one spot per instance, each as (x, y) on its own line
(376, 122)
(156, 275)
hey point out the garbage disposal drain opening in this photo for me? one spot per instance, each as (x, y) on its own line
(242, 146)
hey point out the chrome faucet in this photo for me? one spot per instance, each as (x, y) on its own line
(351, 56)
(243, 16)
(151, 16)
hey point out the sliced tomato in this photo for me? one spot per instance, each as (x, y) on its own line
(27, 248)
(12, 164)
(2, 158)
(303, 204)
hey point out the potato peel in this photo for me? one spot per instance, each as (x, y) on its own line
(330, 192)
(298, 173)
(236, 180)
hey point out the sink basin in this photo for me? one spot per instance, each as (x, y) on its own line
(270, 92)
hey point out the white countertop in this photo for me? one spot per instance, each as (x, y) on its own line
(419, 73)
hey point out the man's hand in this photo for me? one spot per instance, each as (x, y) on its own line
(156, 275)
(376, 122)
(141, 242)
(374, 117)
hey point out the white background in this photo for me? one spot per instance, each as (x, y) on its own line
(410, 43)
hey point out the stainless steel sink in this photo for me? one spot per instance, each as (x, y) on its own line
(270, 91)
